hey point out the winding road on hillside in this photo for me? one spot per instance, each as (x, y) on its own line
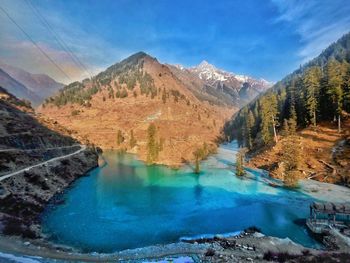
(82, 148)
(38, 149)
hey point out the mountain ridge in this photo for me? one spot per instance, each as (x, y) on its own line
(129, 96)
(41, 84)
(17, 88)
(238, 89)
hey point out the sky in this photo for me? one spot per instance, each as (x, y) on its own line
(261, 38)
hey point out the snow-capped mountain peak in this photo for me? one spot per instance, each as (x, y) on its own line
(207, 71)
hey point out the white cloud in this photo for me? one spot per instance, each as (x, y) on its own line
(317, 22)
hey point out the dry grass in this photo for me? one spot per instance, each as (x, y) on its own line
(317, 151)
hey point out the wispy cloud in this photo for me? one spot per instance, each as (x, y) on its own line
(317, 22)
(15, 49)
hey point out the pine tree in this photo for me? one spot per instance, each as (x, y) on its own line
(290, 161)
(240, 159)
(120, 137)
(269, 113)
(285, 128)
(198, 155)
(293, 121)
(249, 124)
(334, 90)
(132, 141)
(346, 89)
(311, 82)
(152, 145)
(164, 96)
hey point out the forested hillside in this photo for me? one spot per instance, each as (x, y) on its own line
(318, 91)
(139, 105)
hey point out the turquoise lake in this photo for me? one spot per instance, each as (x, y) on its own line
(125, 204)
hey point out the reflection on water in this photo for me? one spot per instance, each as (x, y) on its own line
(126, 204)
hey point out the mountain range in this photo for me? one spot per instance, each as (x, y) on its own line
(219, 86)
(25, 85)
(139, 90)
(127, 97)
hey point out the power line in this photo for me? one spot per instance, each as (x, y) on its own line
(36, 45)
(59, 40)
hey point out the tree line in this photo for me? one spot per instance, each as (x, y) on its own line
(319, 91)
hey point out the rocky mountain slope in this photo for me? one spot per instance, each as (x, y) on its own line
(118, 105)
(26, 141)
(41, 85)
(17, 88)
(219, 86)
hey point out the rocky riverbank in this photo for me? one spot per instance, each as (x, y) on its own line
(24, 196)
(248, 246)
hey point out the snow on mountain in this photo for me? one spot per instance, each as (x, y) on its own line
(206, 71)
(209, 72)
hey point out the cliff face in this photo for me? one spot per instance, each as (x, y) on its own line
(36, 162)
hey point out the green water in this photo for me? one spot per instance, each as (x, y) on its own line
(126, 204)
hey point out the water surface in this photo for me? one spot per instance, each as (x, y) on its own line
(126, 204)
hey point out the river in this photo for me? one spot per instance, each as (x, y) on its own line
(126, 204)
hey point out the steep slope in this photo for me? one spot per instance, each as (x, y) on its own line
(36, 162)
(126, 98)
(17, 88)
(316, 99)
(41, 85)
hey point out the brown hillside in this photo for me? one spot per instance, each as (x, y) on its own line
(183, 122)
(325, 154)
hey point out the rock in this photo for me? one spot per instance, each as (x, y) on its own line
(27, 243)
(343, 163)
(210, 252)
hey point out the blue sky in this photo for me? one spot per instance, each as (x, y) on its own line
(262, 38)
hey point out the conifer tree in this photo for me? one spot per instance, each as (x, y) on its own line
(334, 88)
(311, 82)
(240, 159)
(293, 121)
(346, 89)
(120, 137)
(198, 155)
(285, 128)
(249, 124)
(152, 145)
(269, 113)
(132, 139)
(291, 161)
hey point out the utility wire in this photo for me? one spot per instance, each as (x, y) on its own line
(35, 44)
(59, 40)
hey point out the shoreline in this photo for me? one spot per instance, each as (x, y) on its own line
(41, 246)
(248, 246)
(195, 248)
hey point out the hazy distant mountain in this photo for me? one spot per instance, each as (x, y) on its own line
(219, 86)
(40, 84)
(17, 88)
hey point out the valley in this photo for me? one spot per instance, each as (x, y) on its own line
(174, 132)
